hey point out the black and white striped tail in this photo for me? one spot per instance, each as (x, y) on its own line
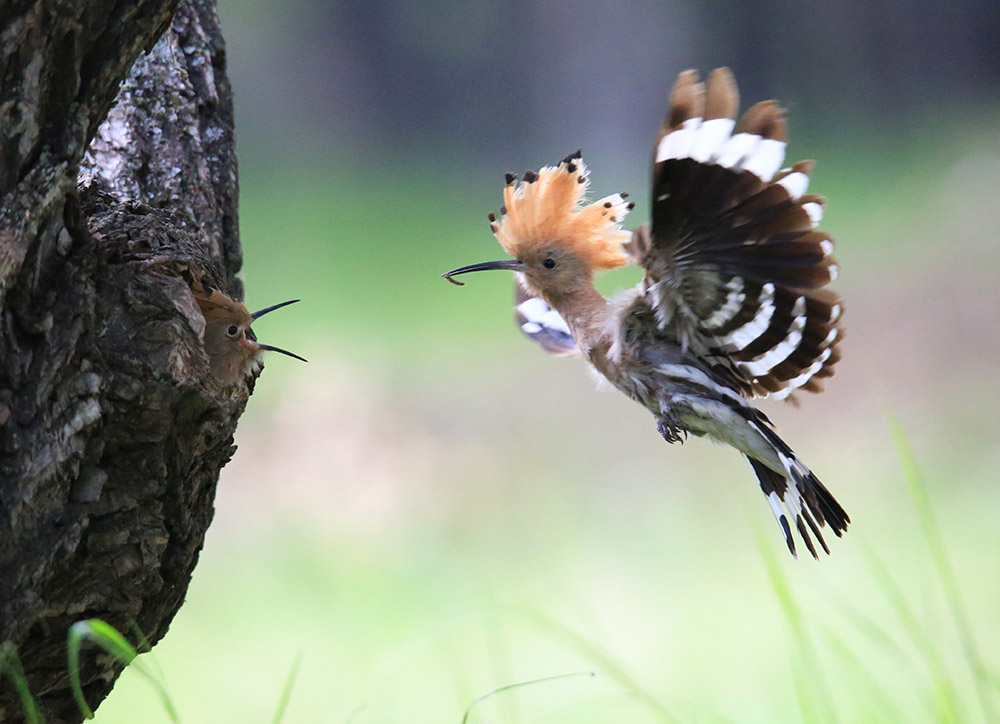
(797, 497)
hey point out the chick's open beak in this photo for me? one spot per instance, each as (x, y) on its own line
(508, 264)
(253, 337)
(266, 310)
(279, 349)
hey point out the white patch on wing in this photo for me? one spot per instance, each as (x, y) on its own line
(764, 363)
(659, 306)
(815, 212)
(795, 184)
(827, 246)
(834, 312)
(677, 144)
(553, 320)
(736, 149)
(766, 158)
(538, 313)
(710, 137)
(545, 326)
(735, 296)
(741, 337)
(699, 378)
(533, 308)
(531, 328)
(797, 382)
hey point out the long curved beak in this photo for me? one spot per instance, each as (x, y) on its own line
(279, 349)
(508, 264)
(256, 315)
(267, 310)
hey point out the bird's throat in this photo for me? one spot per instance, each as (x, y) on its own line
(585, 310)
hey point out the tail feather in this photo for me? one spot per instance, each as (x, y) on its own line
(799, 496)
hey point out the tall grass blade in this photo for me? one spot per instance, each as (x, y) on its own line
(114, 644)
(355, 713)
(508, 687)
(599, 657)
(865, 679)
(815, 700)
(946, 696)
(870, 629)
(286, 692)
(983, 677)
(10, 664)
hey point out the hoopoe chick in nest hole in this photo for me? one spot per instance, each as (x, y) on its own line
(232, 347)
(732, 305)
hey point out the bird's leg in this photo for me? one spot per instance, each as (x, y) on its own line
(670, 428)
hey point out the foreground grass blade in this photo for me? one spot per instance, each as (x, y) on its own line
(608, 665)
(983, 677)
(814, 696)
(286, 692)
(864, 679)
(508, 687)
(945, 694)
(10, 665)
(113, 643)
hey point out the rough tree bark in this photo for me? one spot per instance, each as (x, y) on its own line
(112, 432)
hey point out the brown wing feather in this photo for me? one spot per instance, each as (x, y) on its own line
(734, 263)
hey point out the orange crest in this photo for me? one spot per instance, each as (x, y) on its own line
(549, 207)
(218, 308)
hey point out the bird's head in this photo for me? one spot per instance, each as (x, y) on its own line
(232, 346)
(558, 241)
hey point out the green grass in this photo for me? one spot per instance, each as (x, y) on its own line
(949, 700)
(831, 673)
(11, 669)
(511, 687)
(117, 646)
(114, 644)
(397, 644)
(985, 678)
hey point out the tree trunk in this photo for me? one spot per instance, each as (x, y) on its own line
(112, 431)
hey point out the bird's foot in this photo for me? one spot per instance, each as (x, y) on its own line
(670, 428)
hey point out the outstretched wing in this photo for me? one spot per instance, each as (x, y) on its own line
(542, 324)
(734, 263)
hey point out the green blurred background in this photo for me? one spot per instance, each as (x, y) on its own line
(432, 508)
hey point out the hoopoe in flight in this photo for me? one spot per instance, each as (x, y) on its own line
(732, 305)
(232, 347)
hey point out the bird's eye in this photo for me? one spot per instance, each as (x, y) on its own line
(549, 263)
(233, 329)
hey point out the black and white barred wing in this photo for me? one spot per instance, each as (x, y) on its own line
(734, 262)
(542, 324)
